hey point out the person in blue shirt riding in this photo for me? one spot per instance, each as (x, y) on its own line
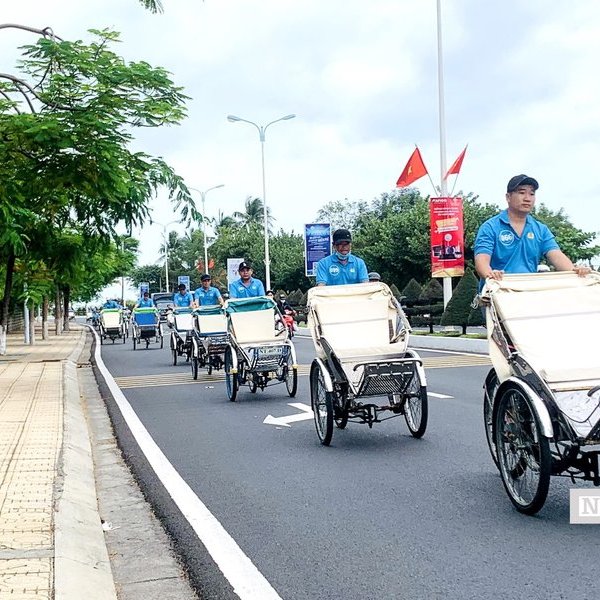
(183, 299)
(111, 304)
(514, 242)
(341, 266)
(246, 286)
(145, 302)
(207, 295)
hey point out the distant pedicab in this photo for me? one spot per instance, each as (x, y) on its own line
(145, 326)
(259, 350)
(112, 325)
(363, 367)
(542, 398)
(209, 338)
(180, 321)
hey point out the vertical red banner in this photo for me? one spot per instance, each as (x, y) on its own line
(447, 237)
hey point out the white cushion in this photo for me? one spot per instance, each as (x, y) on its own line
(212, 323)
(255, 326)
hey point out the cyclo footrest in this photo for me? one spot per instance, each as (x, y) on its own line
(385, 378)
(267, 358)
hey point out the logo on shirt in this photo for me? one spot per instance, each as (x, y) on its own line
(506, 237)
(334, 270)
(530, 235)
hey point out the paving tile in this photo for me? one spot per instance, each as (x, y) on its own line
(26, 578)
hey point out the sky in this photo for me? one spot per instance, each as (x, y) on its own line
(520, 82)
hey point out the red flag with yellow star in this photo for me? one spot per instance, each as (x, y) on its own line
(414, 169)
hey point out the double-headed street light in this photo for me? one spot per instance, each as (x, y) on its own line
(164, 226)
(261, 132)
(203, 196)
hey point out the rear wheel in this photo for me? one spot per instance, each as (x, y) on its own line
(134, 342)
(291, 376)
(523, 452)
(252, 385)
(416, 407)
(173, 345)
(194, 368)
(231, 379)
(322, 405)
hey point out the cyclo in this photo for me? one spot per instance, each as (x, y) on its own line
(258, 351)
(112, 325)
(209, 338)
(182, 326)
(145, 325)
(542, 398)
(360, 334)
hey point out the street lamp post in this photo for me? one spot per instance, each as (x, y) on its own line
(203, 196)
(261, 132)
(164, 226)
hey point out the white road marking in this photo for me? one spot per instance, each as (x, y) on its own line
(247, 581)
(306, 413)
(434, 395)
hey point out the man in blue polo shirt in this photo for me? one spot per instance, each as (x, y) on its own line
(246, 286)
(514, 241)
(207, 295)
(341, 266)
(183, 298)
(145, 301)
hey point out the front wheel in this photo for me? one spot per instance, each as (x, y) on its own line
(134, 342)
(231, 379)
(489, 392)
(416, 407)
(194, 368)
(322, 405)
(523, 451)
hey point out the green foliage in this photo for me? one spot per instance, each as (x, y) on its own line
(396, 292)
(341, 214)
(295, 298)
(432, 291)
(458, 310)
(152, 274)
(412, 292)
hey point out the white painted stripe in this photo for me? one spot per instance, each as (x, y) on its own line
(443, 396)
(247, 581)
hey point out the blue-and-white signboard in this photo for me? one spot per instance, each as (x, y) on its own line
(144, 287)
(317, 245)
(185, 279)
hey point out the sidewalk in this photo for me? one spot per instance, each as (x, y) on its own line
(52, 541)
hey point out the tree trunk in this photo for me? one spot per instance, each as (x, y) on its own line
(10, 265)
(32, 323)
(57, 312)
(45, 318)
(66, 300)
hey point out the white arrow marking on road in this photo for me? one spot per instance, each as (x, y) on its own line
(434, 395)
(306, 413)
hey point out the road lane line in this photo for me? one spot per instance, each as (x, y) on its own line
(247, 581)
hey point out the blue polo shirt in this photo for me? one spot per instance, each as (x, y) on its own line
(149, 303)
(180, 299)
(331, 271)
(254, 289)
(207, 297)
(512, 253)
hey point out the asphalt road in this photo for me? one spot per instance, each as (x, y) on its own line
(377, 514)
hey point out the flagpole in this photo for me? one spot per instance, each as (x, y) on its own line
(447, 281)
(435, 190)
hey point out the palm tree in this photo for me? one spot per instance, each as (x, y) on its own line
(222, 221)
(253, 213)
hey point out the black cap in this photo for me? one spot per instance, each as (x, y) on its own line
(205, 277)
(518, 180)
(341, 235)
(146, 294)
(244, 265)
(181, 286)
(374, 276)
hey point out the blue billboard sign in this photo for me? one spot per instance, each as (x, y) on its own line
(317, 245)
(185, 279)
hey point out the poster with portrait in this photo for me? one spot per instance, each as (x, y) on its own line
(317, 245)
(447, 237)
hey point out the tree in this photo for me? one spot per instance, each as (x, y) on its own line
(154, 6)
(458, 310)
(253, 214)
(412, 292)
(341, 214)
(65, 162)
(430, 304)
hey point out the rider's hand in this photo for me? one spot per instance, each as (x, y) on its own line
(582, 270)
(495, 274)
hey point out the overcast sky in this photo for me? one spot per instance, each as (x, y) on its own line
(521, 88)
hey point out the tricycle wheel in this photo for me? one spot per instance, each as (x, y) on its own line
(134, 342)
(416, 407)
(161, 341)
(194, 368)
(210, 365)
(489, 391)
(231, 379)
(340, 415)
(291, 376)
(322, 405)
(252, 385)
(523, 451)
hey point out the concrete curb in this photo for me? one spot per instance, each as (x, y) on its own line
(82, 567)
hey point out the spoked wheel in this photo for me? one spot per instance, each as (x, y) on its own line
(210, 365)
(174, 350)
(291, 376)
(194, 367)
(523, 452)
(322, 405)
(490, 386)
(231, 379)
(134, 342)
(416, 407)
(340, 415)
(161, 341)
